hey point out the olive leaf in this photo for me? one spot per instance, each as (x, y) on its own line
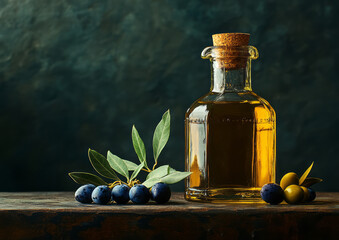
(101, 165)
(86, 178)
(311, 181)
(136, 171)
(131, 166)
(151, 181)
(304, 176)
(159, 172)
(117, 164)
(161, 134)
(171, 178)
(175, 177)
(139, 146)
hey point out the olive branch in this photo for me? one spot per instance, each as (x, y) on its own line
(112, 165)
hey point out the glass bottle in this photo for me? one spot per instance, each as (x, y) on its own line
(230, 133)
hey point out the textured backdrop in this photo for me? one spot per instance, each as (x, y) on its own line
(78, 74)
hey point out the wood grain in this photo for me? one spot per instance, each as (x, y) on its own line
(56, 215)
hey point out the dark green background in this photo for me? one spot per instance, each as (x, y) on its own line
(78, 74)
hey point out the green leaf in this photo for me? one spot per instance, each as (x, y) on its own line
(161, 134)
(117, 164)
(171, 178)
(159, 172)
(136, 171)
(150, 182)
(304, 176)
(175, 177)
(139, 146)
(130, 165)
(101, 165)
(171, 170)
(86, 178)
(311, 181)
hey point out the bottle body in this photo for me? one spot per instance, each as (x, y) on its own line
(230, 147)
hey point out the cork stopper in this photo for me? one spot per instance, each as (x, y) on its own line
(231, 57)
(231, 39)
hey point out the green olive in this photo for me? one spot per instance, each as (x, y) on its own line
(306, 194)
(289, 179)
(293, 194)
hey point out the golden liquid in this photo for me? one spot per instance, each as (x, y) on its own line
(230, 150)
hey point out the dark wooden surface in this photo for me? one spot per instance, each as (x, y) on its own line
(56, 215)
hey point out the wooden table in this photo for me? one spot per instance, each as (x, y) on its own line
(56, 215)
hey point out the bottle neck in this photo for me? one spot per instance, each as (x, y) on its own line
(235, 80)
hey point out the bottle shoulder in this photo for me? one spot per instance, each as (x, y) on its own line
(234, 104)
(266, 105)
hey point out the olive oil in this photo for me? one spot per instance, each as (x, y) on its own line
(230, 139)
(230, 146)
